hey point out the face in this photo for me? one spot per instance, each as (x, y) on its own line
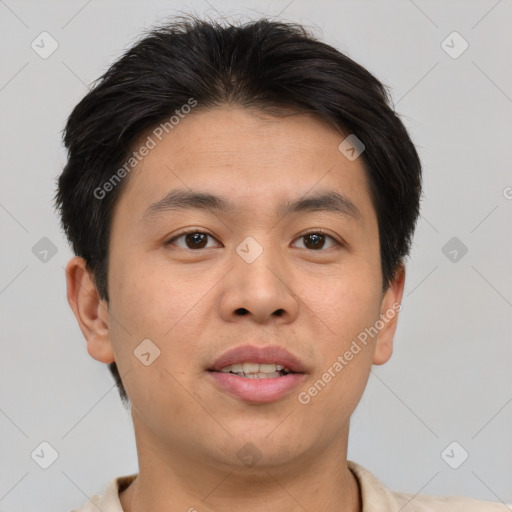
(200, 281)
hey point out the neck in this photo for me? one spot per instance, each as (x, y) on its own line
(174, 481)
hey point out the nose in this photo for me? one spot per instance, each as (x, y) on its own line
(260, 290)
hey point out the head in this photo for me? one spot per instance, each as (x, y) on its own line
(259, 115)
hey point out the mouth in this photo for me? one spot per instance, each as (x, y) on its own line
(252, 360)
(252, 370)
(256, 374)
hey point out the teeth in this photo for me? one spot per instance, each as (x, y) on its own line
(259, 375)
(268, 368)
(249, 368)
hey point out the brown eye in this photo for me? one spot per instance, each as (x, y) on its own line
(192, 239)
(316, 240)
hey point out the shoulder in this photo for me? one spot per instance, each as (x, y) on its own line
(377, 498)
(427, 503)
(108, 501)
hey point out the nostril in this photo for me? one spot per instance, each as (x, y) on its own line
(279, 312)
(241, 311)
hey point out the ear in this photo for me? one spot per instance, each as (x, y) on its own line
(90, 311)
(390, 307)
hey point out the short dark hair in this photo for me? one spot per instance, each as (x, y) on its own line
(265, 65)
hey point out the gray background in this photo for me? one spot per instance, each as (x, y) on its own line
(449, 378)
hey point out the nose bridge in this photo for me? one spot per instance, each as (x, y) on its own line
(259, 283)
(259, 264)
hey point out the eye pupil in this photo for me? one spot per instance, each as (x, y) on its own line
(196, 239)
(317, 240)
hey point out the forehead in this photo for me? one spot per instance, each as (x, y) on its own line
(259, 162)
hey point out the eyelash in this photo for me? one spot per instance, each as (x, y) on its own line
(313, 232)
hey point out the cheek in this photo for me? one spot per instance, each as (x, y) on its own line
(154, 301)
(345, 351)
(148, 303)
(151, 298)
(344, 302)
(343, 310)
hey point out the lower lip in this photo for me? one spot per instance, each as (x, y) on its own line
(257, 390)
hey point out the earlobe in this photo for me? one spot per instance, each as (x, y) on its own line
(391, 305)
(90, 311)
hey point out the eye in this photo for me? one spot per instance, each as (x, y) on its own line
(192, 239)
(316, 240)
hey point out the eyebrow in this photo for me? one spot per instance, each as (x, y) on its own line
(181, 199)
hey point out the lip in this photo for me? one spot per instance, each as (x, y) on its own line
(250, 353)
(258, 390)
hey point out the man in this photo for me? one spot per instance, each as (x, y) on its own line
(240, 200)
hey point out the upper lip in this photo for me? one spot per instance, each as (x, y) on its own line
(250, 353)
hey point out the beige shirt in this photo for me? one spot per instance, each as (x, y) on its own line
(375, 498)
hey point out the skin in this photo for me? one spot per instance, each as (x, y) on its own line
(185, 300)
